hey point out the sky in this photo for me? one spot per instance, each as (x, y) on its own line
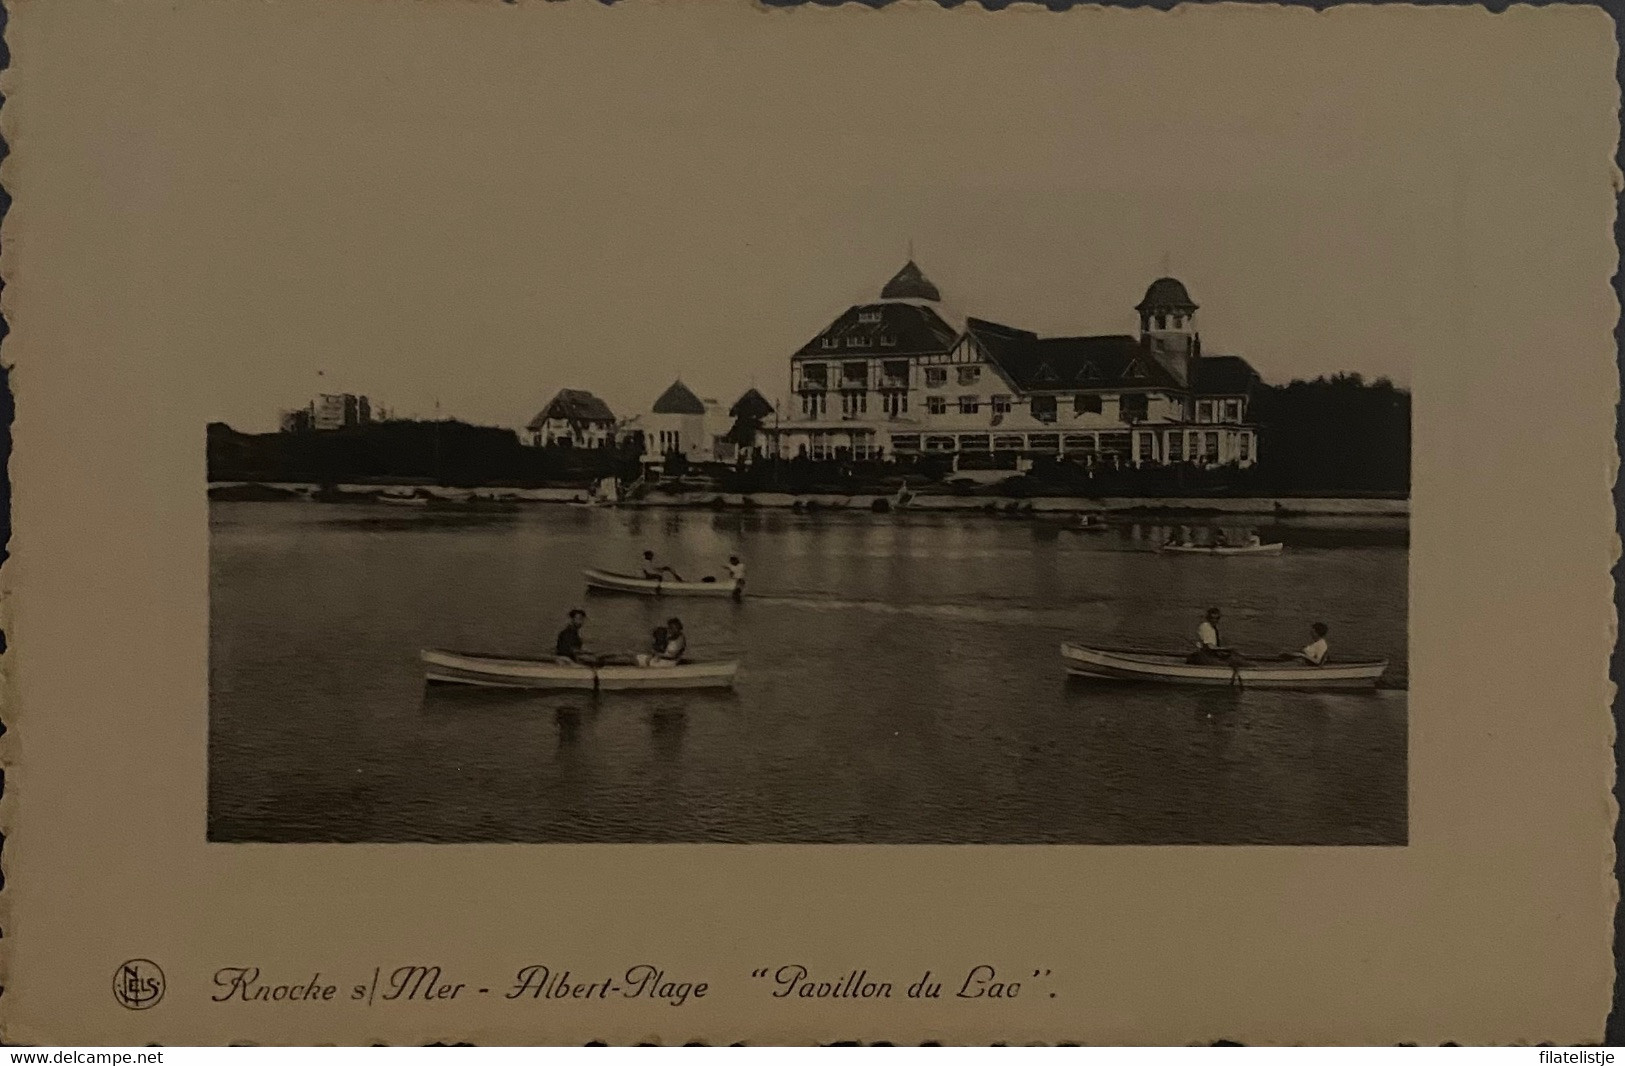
(474, 212)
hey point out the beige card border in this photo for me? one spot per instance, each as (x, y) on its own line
(1492, 926)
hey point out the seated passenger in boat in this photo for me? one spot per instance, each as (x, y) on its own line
(672, 652)
(1219, 540)
(1315, 653)
(1254, 540)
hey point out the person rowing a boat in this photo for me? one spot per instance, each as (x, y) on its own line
(654, 571)
(568, 647)
(1253, 539)
(1210, 649)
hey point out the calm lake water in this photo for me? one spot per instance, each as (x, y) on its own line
(901, 683)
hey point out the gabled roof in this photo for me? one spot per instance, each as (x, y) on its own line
(910, 283)
(574, 405)
(1225, 375)
(751, 405)
(913, 329)
(679, 399)
(1063, 364)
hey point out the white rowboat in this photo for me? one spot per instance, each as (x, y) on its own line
(1163, 668)
(607, 581)
(1222, 549)
(493, 671)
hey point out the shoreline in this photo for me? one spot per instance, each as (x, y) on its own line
(1320, 506)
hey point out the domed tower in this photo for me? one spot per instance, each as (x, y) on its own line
(1168, 319)
(911, 284)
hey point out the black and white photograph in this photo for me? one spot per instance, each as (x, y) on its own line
(1075, 517)
(909, 500)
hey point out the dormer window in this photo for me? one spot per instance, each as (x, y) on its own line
(868, 316)
(856, 342)
(888, 341)
(832, 342)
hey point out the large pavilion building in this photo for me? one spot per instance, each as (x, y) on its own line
(894, 378)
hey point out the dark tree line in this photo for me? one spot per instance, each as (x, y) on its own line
(1336, 434)
(446, 453)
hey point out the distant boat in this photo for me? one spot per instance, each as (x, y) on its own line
(1086, 523)
(494, 671)
(1222, 549)
(399, 500)
(1163, 668)
(608, 581)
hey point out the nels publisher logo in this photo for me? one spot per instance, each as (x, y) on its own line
(138, 984)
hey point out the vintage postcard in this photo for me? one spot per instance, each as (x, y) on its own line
(552, 522)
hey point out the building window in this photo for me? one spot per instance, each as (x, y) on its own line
(1050, 443)
(868, 316)
(1086, 404)
(894, 403)
(814, 375)
(669, 439)
(888, 341)
(936, 405)
(812, 404)
(1204, 410)
(936, 377)
(1162, 321)
(854, 374)
(863, 446)
(1133, 408)
(1148, 447)
(854, 404)
(1001, 405)
(821, 445)
(1044, 408)
(1245, 444)
(973, 442)
(969, 375)
(896, 373)
(1232, 410)
(907, 442)
(832, 342)
(1115, 444)
(1079, 442)
(1008, 442)
(1210, 446)
(969, 405)
(1176, 447)
(939, 444)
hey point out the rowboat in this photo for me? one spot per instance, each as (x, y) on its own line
(607, 581)
(1222, 549)
(494, 671)
(1161, 667)
(404, 501)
